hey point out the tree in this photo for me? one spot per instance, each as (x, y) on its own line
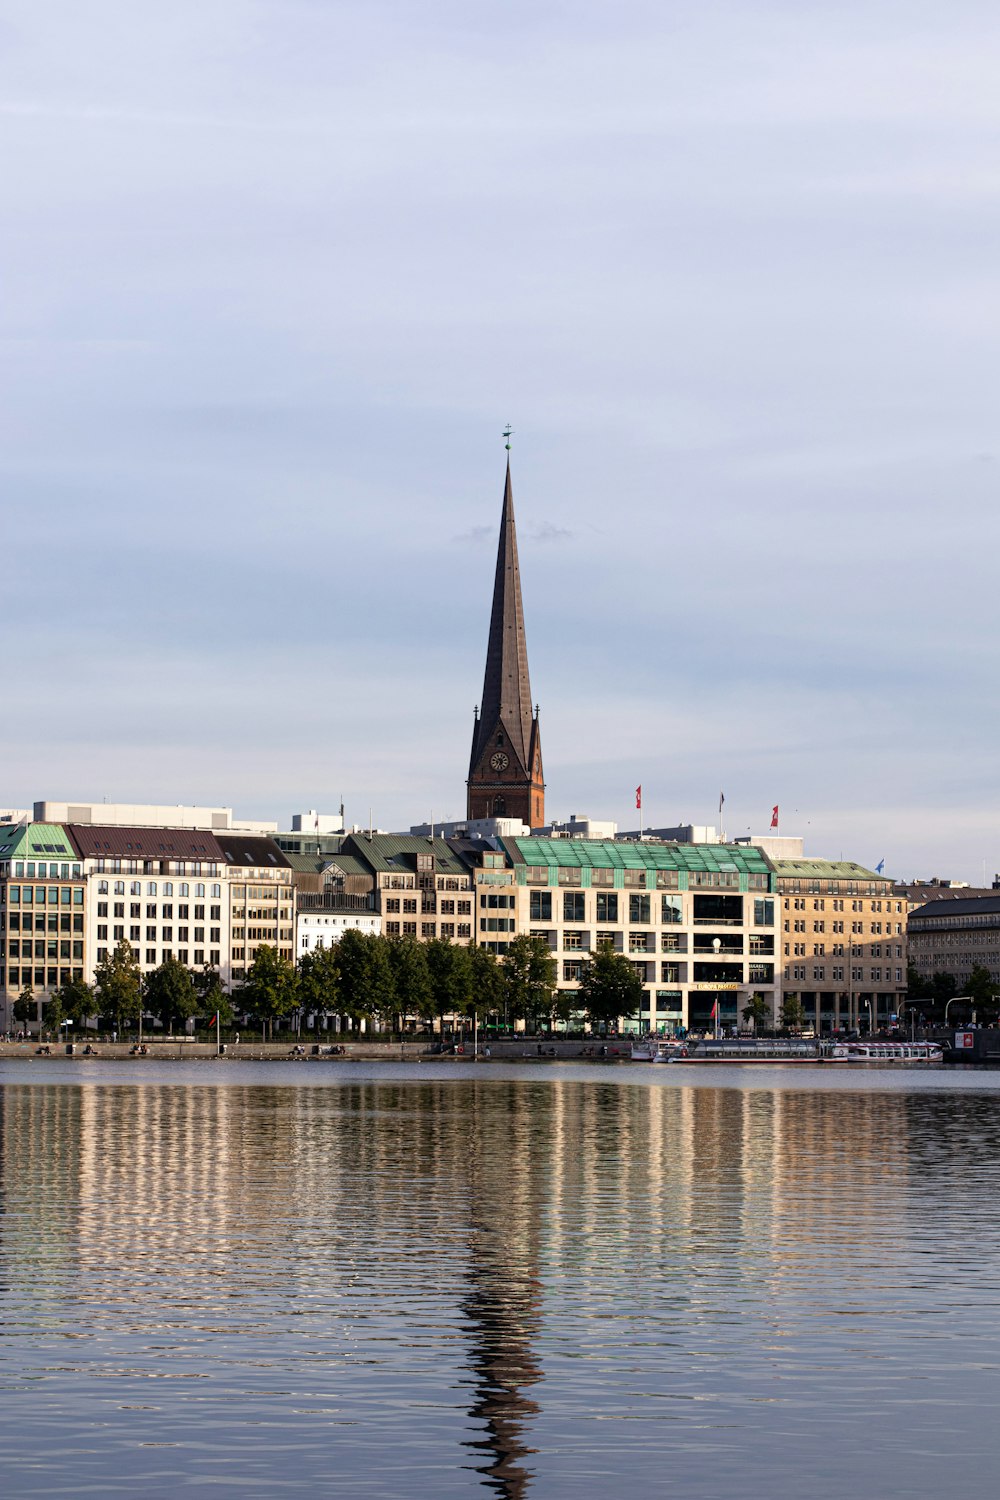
(24, 1005)
(792, 1013)
(529, 978)
(982, 988)
(411, 978)
(78, 1001)
(366, 983)
(610, 987)
(485, 983)
(758, 1012)
(118, 986)
(212, 998)
(319, 980)
(171, 994)
(269, 990)
(451, 977)
(53, 1013)
(917, 987)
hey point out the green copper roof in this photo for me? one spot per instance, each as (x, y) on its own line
(35, 841)
(824, 869)
(398, 852)
(624, 854)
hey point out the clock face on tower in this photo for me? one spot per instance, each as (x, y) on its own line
(499, 761)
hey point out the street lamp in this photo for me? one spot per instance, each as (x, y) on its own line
(967, 999)
(717, 949)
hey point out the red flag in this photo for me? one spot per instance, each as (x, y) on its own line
(211, 1021)
(638, 796)
(715, 1009)
(774, 816)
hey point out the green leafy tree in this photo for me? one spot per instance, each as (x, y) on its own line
(78, 1001)
(982, 988)
(792, 1013)
(366, 980)
(529, 978)
(319, 981)
(212, 998)
(451, 978)
(270, 988)
(943, 987)
(485, 983)
(53, 1014)
(411, 978)
(917, 987)
(25, 1009)
(610, 987)
(118, 986)
(757, 1012)
(170, 993)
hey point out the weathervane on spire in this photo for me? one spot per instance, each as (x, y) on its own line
(508, 433)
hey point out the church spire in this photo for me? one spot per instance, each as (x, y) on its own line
(505, 748)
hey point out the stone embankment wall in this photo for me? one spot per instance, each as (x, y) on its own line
(248, 1051)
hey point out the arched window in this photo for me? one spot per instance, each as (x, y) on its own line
(499, 807)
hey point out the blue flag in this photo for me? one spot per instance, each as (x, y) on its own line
(880, 867)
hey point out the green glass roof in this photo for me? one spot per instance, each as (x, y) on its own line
(35, 841)
(615, 854)
(824, 869)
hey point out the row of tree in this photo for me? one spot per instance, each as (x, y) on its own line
(364, 976)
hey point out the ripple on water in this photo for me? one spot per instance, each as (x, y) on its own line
(419, 1285)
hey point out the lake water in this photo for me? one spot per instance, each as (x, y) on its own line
(553, 1281)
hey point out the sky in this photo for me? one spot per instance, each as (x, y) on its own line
(276, 274)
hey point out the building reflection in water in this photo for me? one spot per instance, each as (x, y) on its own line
(342, 1227)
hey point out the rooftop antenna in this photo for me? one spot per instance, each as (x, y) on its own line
(371, 828)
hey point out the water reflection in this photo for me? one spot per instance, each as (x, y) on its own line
(438, 1287)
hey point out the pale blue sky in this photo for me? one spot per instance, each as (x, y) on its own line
(277, 272)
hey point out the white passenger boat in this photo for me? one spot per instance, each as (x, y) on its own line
(655, 1050)
(901, 1052)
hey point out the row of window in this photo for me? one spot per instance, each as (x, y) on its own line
(836, 973)
(447, 908)
(661, 880)
(839, 950)
(39, 921)
(154, 888)
(429, 929)
(40, 979)
(45, 948)
(42, 869)
(156, 935)
(51, 895)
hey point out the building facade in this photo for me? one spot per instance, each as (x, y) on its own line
(698, 922)
(843, 942)
(952, 936)
(44, 940)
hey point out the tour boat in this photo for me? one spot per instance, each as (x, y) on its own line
(760, 1050)
(904, 1052)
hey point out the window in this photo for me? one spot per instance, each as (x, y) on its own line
(392, 929)
(464, 908)
(638, 908)
(102, 908)
(428, 929)
(575, 939)
(763, 911)
(671, 910)
(572, 969)
(102, 932)
(573, 906)
(410, 905)
(607, 906)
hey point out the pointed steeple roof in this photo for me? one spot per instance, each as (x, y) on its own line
(506, 686)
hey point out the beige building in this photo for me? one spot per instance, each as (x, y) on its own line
(423, 888)
(261, 896)
(696, 920)
(843, 942)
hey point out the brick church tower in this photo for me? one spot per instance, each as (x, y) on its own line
(505, 769)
